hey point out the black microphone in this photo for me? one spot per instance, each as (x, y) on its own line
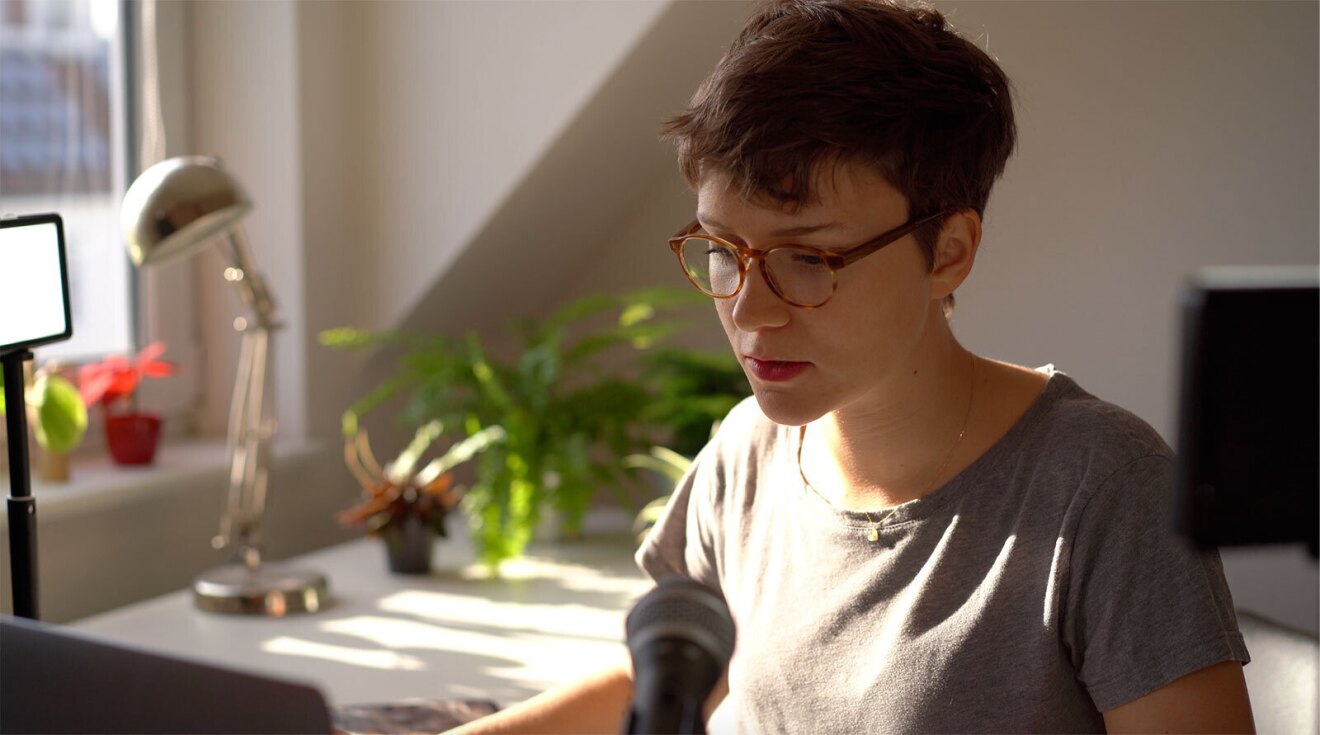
(681, 636)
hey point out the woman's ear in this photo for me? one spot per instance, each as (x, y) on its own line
(955, 252)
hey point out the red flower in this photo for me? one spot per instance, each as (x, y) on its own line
(116, 378)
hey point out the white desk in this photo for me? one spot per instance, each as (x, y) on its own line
(552, 617)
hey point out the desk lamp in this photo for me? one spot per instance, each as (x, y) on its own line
(173, 210)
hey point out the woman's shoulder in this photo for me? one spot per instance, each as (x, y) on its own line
(1072, 415)
(1071, 439)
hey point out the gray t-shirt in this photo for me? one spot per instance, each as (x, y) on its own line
(1035, 590)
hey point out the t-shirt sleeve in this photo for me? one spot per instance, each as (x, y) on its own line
(681, 543)
(1142, 606)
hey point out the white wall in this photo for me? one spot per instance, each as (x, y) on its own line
(255, 129)
(463, 99)
(1155, 139)
(333, 140)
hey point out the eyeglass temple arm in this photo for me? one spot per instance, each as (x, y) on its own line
(865, 249)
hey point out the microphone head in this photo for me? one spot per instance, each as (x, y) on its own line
(680, 608)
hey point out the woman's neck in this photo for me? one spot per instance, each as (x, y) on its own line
(896, 444)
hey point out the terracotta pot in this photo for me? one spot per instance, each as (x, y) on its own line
(133, 437)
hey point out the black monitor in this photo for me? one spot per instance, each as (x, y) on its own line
(1248, 421)
(34, 282)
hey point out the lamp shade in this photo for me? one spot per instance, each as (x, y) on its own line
(177, 205)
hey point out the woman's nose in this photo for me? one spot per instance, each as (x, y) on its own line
(756, 306)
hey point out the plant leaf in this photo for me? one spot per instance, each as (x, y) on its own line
(663, 460)
(61, 415)
(401, 468)
(379, 395)
(636, 313)
(460, 453)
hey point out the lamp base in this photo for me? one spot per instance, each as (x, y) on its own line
(268, 589)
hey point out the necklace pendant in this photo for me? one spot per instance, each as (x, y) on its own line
(873, 534)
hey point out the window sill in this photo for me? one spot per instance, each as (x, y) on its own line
(96, 483)
(116, 535)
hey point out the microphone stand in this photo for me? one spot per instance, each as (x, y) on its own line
(22, 506)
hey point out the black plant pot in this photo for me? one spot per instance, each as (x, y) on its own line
(409, 546)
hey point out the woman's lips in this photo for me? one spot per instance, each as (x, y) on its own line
(775, 370)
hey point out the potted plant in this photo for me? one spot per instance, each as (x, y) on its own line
(567, 422)
(58, 420)
(692, 392)
(406, 506)
(131, 433)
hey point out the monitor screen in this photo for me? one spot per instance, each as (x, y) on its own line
(1249, 413)
(34, 293)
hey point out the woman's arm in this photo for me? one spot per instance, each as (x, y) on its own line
(1213, 699)
(596, 704)
(592, 705)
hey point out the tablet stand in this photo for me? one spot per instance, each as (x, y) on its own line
(22, 506)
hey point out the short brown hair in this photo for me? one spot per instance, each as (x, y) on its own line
(809, 83)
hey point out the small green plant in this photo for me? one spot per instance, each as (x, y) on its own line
(59, 416)
(567, 422)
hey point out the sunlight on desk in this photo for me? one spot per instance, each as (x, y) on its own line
(563, 618)
(388, 660)
(509, 641)
(547, 619)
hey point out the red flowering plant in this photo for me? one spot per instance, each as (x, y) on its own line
(112, 383)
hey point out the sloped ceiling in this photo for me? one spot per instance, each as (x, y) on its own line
(588, 183)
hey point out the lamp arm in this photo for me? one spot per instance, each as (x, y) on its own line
(250, 430)
(251, 286)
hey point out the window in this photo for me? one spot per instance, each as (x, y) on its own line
(64, 148)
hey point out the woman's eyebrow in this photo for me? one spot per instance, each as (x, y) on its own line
(796, 231)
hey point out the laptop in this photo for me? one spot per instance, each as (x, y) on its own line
(55, 681)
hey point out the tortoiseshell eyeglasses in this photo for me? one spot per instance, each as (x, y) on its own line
(801, 275)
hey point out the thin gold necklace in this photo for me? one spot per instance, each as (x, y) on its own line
(873, 531)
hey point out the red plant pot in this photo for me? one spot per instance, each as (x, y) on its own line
(132, 437)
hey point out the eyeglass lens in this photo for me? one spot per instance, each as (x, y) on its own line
(800, 275)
